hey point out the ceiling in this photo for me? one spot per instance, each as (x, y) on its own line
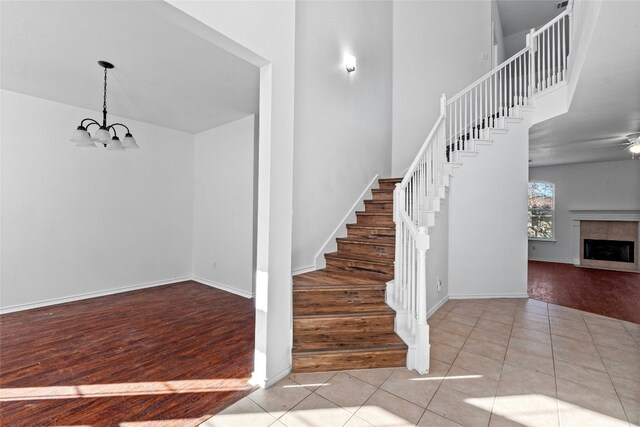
(522, 15)
(606, 103)
(164, 75)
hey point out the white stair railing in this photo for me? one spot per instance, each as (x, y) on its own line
(465, 119)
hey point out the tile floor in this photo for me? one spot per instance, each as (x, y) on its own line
(493, 362)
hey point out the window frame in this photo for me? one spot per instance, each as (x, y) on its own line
(553, 211)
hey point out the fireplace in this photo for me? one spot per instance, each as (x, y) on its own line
(609, 250)
(607, 239)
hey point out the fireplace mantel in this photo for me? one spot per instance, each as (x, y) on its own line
(605, 215)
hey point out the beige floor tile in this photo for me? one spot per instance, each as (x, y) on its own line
(590, 398)
(632, 409)
(244, 413)
(311, 380)
(540, 348)
(468, 310)
(577, 352)
(356, 421)
(434, 322)
(375, 377)
(578, 325)
(531, 334)
(385, 409)
(577, 416)
(470, 383)
(535, 316)
(618, 354)
(556, 311)
(517, 381)
(315, 411)
(494, 326)
(443, 337)
(622, 369)
(443, 353)
(431, 419)
(494, 316)
(627, 387)
(277, 424)
(564, 331)
(454, 327)
(461, 318)
(461, 408)
(479, 364)
(346, 391)
(531, 324)
(585, 376)
(485, 348)
(411, 386)
(496, 337)
(525, 410)
(633, 329)
(601, 321)
(280, 397)
(612, 340)
(524, 360)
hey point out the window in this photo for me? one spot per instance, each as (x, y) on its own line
(541, 210)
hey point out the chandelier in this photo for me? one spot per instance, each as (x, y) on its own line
(82, 137)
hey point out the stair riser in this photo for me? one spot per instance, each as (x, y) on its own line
(384, 272)
(331, 329)
(386, 185)
(348, 301)
(372, 233)
(379, 251)
(378, 206)
(352, 360)
(382, 195)
(366, 219)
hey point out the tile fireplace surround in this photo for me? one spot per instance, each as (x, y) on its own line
(605, 225)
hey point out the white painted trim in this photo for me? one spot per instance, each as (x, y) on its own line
(605, 215)
(341, 228)
(303, 270)
(222, 287)
(78, 297)
(437, 306)
(559, 261)
(268, 382)
(487, 296)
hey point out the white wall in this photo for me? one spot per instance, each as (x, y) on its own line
(342, 120)
(488, 219)
(514, 43)
(84, 221)
(223, 207)
(587, 186)
(437, 48)
(267, 29)
(498, 35)
(438, 258)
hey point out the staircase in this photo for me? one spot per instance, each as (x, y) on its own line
(340, 318)
(368, 307)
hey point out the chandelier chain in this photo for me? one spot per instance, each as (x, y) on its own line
(104, 102)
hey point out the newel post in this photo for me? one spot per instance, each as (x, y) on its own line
(532, 51)
(422, 353)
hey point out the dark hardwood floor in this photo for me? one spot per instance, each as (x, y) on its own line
(609, 293)
(166, 356)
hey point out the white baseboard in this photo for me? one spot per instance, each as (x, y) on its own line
(222, 287)
(302, 270)
(268, 382)
(78, 297)
(559, 261)
(437, 306)
(341, 228)
(487, 296)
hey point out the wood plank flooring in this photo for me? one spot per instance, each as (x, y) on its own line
(609, 293)
(166, 356)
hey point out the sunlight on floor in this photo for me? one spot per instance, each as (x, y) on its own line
(122, 389)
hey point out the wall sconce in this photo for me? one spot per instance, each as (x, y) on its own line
(350, 63)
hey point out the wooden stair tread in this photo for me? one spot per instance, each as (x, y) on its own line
(395, 343)
(377, 313)
(375, 213)
(329, 278)
(381, 180)
(388, 242)
(349, 257)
